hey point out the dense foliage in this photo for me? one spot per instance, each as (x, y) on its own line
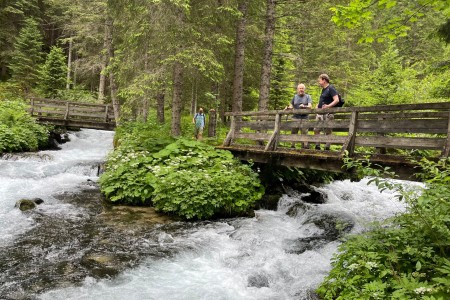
(18, 131)
(53, 73)
(406, 257)
(114, 54)
(183, 177)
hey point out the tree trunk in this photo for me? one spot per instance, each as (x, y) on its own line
(212, 123)
(145, 105)
(266, 69)
(160, 106)
(194, 98)
(104, 59)
(112, 82)
(239, 58)
(177, 103)
(69, 64)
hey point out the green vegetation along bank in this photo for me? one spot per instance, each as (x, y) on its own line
(406, 257)
(181, 177)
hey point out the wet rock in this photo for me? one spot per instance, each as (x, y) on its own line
(298, 208)
(258, 280)
(315, 197)
(102, 265)
(38, 201)
(301, 245)
(334, 226)
(27, 204)
(268, 201)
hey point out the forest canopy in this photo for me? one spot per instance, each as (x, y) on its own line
(175, 56)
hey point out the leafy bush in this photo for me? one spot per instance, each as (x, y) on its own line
(196, 181)
(186, 178)
(18, 130)
(407, 257)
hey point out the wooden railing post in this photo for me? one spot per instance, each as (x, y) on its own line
(66, 116)
(349, 144)
(446, 150)
(230, 136)
(272, 144)
(106, 113)
(32, 106)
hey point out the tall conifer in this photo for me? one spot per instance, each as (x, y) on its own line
(54, 73)
(27, 56)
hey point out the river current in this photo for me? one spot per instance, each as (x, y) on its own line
(274, 255)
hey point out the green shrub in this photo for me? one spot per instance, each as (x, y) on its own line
(196, 181)
(186, 178)
(18, 130)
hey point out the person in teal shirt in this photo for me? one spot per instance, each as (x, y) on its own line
(199, 120)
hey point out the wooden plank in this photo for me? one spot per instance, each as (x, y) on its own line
(87, 109)
(338, 125)
(79, 124)
(333, 139)
(54, 112)
(63, 102)
(253, 136)
(406, 115)
(399, 142)
(375, 109)
(403, 126)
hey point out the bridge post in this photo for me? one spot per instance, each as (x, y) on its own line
(106, 113)
(446, 151)
(349, 144)
(32, 106)
(272, 144)
(66, 116)
(230, 136)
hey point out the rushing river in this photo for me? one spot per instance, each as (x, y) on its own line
(60, 250)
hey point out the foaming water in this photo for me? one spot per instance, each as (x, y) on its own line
(46, 174)
(247, 258)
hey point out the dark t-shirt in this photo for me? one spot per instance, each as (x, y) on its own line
(327, 95)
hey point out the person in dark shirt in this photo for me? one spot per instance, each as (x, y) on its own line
(328, 98)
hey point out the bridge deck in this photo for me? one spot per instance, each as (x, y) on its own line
(388, 135)
(72, 114)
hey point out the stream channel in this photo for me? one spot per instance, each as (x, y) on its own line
(74, 246)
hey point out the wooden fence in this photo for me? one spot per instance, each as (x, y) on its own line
(73, 114)
(374, 129)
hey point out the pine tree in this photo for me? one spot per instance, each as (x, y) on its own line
(27, 57)
(53, 73)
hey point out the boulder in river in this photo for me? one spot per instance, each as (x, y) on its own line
(27, 204)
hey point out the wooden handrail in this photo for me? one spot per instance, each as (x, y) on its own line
(71, 113)
(424, 126)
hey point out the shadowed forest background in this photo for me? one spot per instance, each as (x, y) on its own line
(170, 57)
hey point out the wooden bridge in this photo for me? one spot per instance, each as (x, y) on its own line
(387, 135)
(73, 114)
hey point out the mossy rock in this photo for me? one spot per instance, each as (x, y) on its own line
(28, 204)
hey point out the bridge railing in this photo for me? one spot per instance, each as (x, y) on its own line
(373, 129)
(80, 114)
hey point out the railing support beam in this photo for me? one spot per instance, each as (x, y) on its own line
(446, 151)
(272, 144)
(230, 136)
(349, 145)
